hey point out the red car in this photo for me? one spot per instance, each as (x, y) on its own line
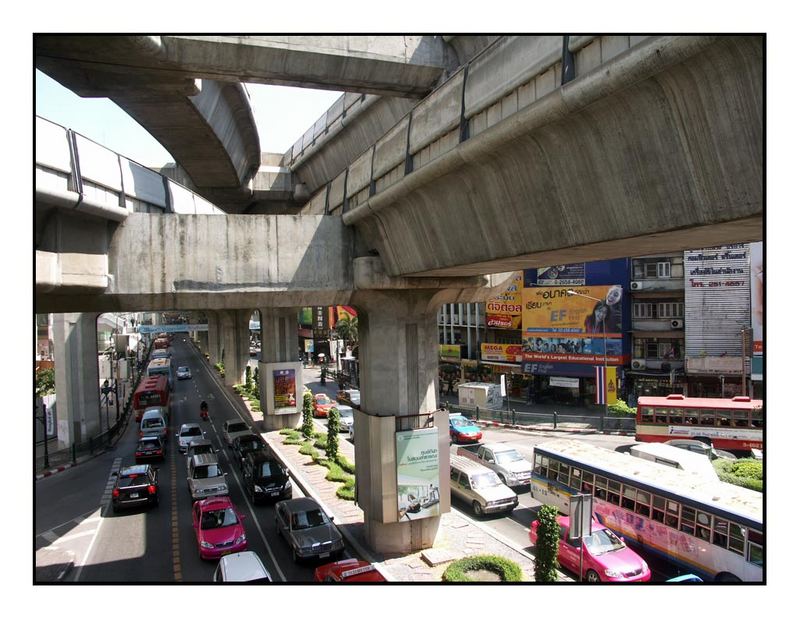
(322, 405)
(348, 570)
(606, 558)
(218, 528)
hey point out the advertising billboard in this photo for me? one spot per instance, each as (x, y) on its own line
(507, 353)
(575, 328)
(417, 473)
(562, 275)
(283, 381)
(450, 351)
(505, 310)
(757, 296)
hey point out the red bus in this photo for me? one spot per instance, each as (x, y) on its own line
(152, 391)
(161, 342)
(735, 424)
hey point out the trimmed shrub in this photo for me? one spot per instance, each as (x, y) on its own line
(293, 437)
(332, 445)
(307, 449)
(308, 407)
(745, 472)
(348, 491)
(458, 571)
(620, 409)
(346, 464)
(546, 549)
(248, 378)
(335, 472)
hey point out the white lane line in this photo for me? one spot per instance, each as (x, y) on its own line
(49, 536)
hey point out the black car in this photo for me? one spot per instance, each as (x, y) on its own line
(150, 448)
(243, 445)
(265, 478)
(135, 486)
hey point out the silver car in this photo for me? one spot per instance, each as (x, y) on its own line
(233, 428)
(345, 418)
(307, 529)
(198, 446)
(206, 478)
(188, 433)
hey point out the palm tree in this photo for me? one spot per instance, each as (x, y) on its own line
(347, 330)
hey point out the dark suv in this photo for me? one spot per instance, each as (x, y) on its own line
(135, 486)
(265, 478)
(243, 445)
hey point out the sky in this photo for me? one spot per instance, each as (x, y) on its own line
(282, 115)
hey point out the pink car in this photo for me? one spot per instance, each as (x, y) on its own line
(218, 527)
(606, 558)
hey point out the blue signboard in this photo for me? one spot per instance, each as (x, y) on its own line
(558, 369)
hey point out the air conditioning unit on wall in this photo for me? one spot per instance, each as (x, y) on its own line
(676, 323)
(638, 364)
(637, 285)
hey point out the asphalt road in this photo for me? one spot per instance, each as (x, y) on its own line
(155, 544)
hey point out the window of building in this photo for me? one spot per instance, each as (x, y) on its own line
(663, 269)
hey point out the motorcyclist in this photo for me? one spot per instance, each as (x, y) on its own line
(203, 409)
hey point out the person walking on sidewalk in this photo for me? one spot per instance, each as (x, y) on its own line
(530, 392)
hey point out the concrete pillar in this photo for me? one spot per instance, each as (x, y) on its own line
(235, 344)
(201, 337)
(278, 345)
(398, 361)
(77, 377)
(214, 338)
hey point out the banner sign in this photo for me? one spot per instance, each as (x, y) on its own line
(606, 385)
(283, 381)
(505, 311)
(450, 351)
(563, 369)
(561, 381)
(560, 327)
(757, 296)
(509, 353)
(562, 275)
(417, 473)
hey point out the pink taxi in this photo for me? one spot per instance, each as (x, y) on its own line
(218, 527)
(606, 558)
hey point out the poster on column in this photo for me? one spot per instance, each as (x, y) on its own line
(417, 474)
(283, 384)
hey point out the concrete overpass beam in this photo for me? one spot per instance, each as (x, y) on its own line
(398, 344)
(77, 377)
(278, 345)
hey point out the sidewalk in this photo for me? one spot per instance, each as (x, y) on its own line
(457, 537)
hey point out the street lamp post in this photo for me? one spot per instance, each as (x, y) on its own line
(612, 297)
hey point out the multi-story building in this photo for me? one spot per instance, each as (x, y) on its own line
(658, 325)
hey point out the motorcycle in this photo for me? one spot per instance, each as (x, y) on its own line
(204, 412)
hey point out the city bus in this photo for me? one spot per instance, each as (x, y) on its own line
(161, 366)
(708, 528)
(152, 391)
(734, 424)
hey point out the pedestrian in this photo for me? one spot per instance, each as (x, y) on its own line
(449, 386)
(530, 392)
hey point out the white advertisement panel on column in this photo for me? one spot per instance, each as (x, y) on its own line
(283, 381)
(417, 473)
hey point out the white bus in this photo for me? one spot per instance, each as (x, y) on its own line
(161, 366)
(713, 529)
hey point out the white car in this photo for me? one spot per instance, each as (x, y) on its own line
(345, 418)
(233, 428)
(188, 433)
(241, 567)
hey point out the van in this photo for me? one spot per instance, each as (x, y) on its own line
(480, 487)
(154, 423)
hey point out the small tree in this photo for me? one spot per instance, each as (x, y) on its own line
(546, 549)
(248, 378)
(308, 423)
(332, 446)
(45, 382)
(255, 378)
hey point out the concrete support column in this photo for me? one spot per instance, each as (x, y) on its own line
(398, 361)
(214, 338)
(201, 337)
(77, 377)
(235, 344)
(278, 345)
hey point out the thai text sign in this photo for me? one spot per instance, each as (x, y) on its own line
(505, 311)
(417, 473)
(509, 353)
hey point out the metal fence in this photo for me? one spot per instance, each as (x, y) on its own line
(528, 418)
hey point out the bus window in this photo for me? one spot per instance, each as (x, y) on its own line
(613, 492)
(757, 418)
(676, 416)
(707, 418)
(661, 415)
(740, 419)
(563, 473)
(540, 465)
(600, 484)
(687, 520)
(629, 497)
(588, 483)
(643, 503)
(552, 470)
(671, 519)
(658, 508)
(720, 532)
(575, 479)
(755, 547)
(647, 414)
(723, 418)
(736, 539)
(703, 526)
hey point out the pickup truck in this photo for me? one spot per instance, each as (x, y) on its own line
(510, 466)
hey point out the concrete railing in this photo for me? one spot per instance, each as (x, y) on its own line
(511, 74)
(74, 172)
